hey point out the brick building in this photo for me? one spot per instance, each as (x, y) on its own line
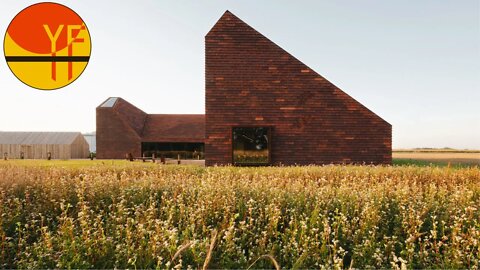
(124, 129)
(262, 106)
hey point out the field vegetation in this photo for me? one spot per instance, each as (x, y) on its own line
(105, 214)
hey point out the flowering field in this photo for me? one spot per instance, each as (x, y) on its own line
(147, 216)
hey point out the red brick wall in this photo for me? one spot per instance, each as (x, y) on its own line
(118, 130)
(133, 116)
(252, 81)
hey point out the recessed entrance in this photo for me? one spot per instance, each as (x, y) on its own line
(182, 150)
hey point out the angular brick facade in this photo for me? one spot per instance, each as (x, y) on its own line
(119, 130)
(122, 127)
(250, 81)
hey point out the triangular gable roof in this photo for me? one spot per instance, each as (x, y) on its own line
(132, 117)
(229, 24)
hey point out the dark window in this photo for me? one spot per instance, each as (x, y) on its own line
(251, 145)
(174, 150)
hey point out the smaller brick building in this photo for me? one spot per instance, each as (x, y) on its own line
(123, 128)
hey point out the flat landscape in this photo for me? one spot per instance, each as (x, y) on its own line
(438, 156)
(119, 214)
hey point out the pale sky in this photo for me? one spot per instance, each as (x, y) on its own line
(414, 63)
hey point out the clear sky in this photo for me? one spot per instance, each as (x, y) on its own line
(414, 63)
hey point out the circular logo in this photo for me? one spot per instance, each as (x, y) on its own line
(47, 46)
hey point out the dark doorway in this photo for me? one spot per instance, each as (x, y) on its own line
(174, 150)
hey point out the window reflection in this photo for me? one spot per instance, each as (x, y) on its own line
(251, 145)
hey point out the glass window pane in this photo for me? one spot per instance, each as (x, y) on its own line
(251, 145)
(109, 102)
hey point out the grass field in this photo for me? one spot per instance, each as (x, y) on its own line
(118, 214)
